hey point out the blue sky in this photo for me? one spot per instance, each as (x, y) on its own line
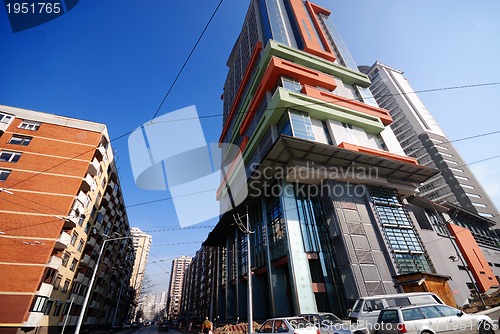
(113, 61)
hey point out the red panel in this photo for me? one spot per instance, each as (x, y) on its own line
(383, 114)
(477, 263)
(313, 10)
(379, 153)
(274, 70)
(312, 45)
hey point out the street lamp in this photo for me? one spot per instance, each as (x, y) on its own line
(89, 290)
(246, 230)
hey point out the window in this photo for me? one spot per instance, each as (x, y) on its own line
(20, 140)
(473, 195)
(447, 311)
(58, 307)
(66, 285)
(38, 304)
(301, 125)
(65, 259)
(10, 156)
(73, 238)
(48, 307)
(486, 215)
(430, 312)
(5, 118)
(456, 169)
(467, 186)
(73, 265)
(87, 228)
(412, 314)
(450, 162)
(4, 174)
(479, 205)
(389, 316)
(27, 125)
(80, 244)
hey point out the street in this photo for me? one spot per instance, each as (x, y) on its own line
(154, 329)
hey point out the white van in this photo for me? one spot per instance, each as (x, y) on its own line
(366, 309)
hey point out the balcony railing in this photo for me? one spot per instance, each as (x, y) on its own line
(63, 241)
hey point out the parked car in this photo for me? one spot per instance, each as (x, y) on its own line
(290, 325)
(329, 323)
(432, 318)
(366, 310)
(163, 326)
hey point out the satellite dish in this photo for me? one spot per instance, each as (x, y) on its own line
(94, 230)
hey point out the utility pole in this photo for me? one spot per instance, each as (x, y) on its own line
(246, 230)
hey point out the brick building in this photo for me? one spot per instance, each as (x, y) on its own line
(60, 198)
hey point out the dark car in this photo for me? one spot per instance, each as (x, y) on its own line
(163, 326)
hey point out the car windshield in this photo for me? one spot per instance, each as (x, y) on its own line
(300, 323)
(331, 319)
(357, 306)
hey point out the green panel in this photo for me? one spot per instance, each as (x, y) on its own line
(316, 108)
(306, 59)
(302, 58)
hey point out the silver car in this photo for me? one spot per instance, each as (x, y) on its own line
(288, 325)
(429, 319)
(329, 323)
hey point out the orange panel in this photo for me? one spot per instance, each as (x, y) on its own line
(379, 153)
(311, 44)
(383, 114)
(477, 263)
(246, 76)
(274, 70)
(313, 10)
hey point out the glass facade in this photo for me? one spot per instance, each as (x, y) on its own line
(275, 22)
(405, 246)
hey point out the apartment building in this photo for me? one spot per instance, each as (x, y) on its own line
(197, 292)
(142, 245)
(421, 138)
(179, 267)
(60, 199)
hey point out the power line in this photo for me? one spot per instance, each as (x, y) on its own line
(322, 103)
(187, 59)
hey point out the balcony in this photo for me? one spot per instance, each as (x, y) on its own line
(82, 198)
(55, 262)
(91, 242)
(63, 241)
(45, 290)
(94, 167)
(100, 152)
(79, 278)
(94, 304)
(85, 260)
(77, 299)
(34, 319)
(88, 183)
(105, 199)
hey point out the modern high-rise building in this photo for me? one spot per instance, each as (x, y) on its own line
(327, 179)
(142, 245)
(60, 198)
(421, 138)
(179, 267)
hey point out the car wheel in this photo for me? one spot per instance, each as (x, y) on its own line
(486, 328)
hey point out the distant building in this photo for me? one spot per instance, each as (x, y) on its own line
(60, 198)
(421, 138)
(142, 245)
(179, 266)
